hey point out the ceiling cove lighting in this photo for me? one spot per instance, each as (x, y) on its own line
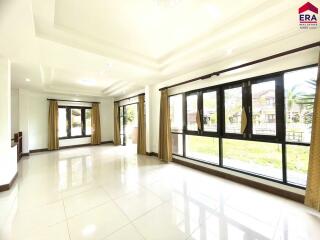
(88, 82)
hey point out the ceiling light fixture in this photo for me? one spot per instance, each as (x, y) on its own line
(88, 82)
(28, 80)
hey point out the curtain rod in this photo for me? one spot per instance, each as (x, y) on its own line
(62, 100)
(217, 73)
(141, 94)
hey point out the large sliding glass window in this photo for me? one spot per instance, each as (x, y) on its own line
(255, 157)
(177, 143)
(264, 108)
(62, 123)
(192, 110)
(233, 109)
(202, 148)
(74, 122)
(176, 114)
(176, 118)
(300, 88)
(210, 113)
(260, 126)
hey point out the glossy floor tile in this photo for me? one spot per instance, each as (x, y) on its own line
(110, 193)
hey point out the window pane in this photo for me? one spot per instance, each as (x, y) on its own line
(176, 113)
(192, 106)
(122, 139)
(121, 125)
(210, 111)
(62, 125)
(121, 121)
(88, 121)
(177, 144)
(233, 109)
(297, 164)
(299, 93)
(264, 108)
(203, 148)
(76, 129)
(255, 157)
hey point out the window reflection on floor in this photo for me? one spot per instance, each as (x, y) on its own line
(75, 172)
(221, 222)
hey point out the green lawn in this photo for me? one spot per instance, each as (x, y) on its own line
(261, 153)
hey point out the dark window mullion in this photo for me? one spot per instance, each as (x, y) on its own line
(69, 122)
(281, 122)
(200, 110)
(184, 120)
(248, 107)
(220, 122)
(83, 121)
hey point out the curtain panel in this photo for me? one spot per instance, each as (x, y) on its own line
(141, 146)
(53, 137)
(116, 128)
(165, 142)
(95, 125)
(312, 197)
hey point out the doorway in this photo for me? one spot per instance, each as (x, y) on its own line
(129, 125)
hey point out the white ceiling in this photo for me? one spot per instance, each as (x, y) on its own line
(121, 46)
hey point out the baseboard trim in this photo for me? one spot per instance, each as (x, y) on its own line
(6, 187)
(251, 183)
(71, 146)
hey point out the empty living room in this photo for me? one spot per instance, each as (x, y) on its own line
(159, 120)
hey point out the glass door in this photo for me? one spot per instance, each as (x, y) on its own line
(129, 124)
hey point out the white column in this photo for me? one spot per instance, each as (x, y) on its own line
(8, 156)
(23, 118)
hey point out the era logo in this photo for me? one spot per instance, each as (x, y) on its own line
(308, 16)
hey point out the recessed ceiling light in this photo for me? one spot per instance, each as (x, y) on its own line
(28, 80)
(88, 82)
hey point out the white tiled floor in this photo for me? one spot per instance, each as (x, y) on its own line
(109, 193)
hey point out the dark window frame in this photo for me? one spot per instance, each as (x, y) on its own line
(279, 138)
(68, 119)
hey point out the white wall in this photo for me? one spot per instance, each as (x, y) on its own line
(8, 157)
(14, 112)
(33, 118)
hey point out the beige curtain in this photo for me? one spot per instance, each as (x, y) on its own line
(165, 146)
(95, 124)
(53, 138)
(141, 146)
(116, 129)
(244, 120)
(198, 120)
(312, 198)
